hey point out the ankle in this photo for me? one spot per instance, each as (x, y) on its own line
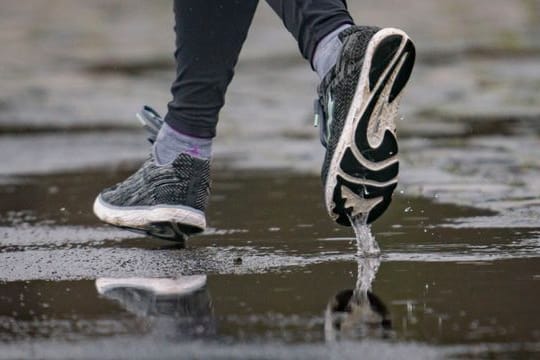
(327, 51)
(170, 143)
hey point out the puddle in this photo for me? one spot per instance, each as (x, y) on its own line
(282, 280)
(458, 273)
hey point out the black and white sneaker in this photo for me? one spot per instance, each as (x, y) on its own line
(165, 201)
(358, 103)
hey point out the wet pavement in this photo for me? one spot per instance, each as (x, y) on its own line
(273, 271)
(459, 272)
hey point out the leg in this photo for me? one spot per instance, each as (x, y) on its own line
(209, 37)
(168, 195)
(309, 21)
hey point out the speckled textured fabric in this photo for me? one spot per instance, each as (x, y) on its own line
(340, 83)
(186, 182)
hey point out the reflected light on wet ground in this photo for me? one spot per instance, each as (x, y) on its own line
(281, 279)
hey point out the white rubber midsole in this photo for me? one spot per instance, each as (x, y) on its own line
(358, 107)
(142, 217)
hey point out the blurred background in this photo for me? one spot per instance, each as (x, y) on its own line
(461, 241)
(71, 70)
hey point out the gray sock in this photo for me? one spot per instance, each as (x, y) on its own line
(327, 51)
(170, 143)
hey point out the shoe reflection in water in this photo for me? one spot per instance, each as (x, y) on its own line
(357, 314)
(176, 309)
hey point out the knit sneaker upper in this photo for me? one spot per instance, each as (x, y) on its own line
(186, 182)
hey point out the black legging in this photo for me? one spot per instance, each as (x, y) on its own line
(209, 37)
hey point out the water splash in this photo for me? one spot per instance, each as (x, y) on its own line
(367, 270)
(367, 252)
(365, 241)
(358, 313)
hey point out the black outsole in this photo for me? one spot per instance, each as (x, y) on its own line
(167, 231)
(388, 148)
(384, 53)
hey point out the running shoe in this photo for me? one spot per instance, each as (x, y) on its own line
(357, 106)
(165, 201)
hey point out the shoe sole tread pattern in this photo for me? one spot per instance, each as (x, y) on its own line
(174, 223)
(364, 167)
